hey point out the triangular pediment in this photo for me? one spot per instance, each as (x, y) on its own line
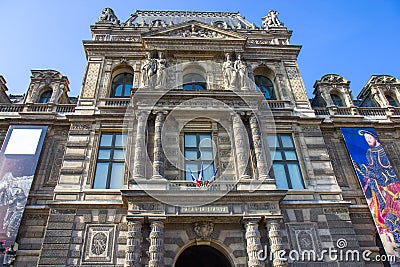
(194, 29)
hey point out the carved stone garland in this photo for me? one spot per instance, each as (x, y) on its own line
(133, 244)
(156, 249)
(253, 243)
(276, 243)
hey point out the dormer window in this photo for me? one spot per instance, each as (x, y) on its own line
(194, 81)
(337, 101)
(391, 101)
(45, 97)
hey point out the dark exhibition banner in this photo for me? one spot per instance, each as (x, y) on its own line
(378, 181)
(19, 156)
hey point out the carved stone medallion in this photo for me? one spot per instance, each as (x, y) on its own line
(203, 230)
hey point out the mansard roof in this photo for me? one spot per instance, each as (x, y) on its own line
(226, 20)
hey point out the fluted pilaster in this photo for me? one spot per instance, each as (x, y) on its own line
(253, 243)
(242, 154)
(140, 146)
(134, 244)
(156, 249)
(158, 162)
(258, 148)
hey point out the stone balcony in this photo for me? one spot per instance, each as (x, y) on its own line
(379, 113)
(38, 108)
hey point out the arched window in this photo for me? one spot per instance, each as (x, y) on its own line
(121, 85)
(266, 86)
(337, 101)
(194, 81)
(391, 101)
(45, 97)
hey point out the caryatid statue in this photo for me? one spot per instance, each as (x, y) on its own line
(228, 71)
(161, 73)
(242, 72)
(271, 20)
(149, 68)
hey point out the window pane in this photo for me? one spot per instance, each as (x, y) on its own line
(198, 86)
(295, 176)
(104, 154)
(119, 154)
(280, 176)
(120, 140)
(127, 91)
(191, 154)
(187, 86)
(100, 179)
(208, 171)
(276, 155)
(290, 155)
(191, 167)
(272, 141)
(190, 140)
(106, 140)
(286, 141)
(118, 90)
(117, 175)
(206, 155)
(205, 141)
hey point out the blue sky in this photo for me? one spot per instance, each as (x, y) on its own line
(352, 38)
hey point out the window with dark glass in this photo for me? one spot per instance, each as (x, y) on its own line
(286, 169)
(121, 85)
(337, 101)
(266, 86)
(45, 97)
(194, 81)
(198, 154)
(110, 161)
(391, 101)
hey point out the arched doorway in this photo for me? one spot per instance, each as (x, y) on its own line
(202, 256)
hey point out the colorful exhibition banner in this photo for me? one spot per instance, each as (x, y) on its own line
(19, 156)
(378, 181)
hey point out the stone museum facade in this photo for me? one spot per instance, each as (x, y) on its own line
(168, 96)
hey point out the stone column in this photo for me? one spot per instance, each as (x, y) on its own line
(253, 243)
(242, 154)
(156, 249)
(133, 244)
(140, 146)
(258, 148)
(276, 244)
(158, 162)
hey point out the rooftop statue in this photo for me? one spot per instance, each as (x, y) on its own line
(271, 20)
(108, 15)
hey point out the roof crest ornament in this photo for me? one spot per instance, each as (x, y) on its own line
(271, 20)
(108, 15)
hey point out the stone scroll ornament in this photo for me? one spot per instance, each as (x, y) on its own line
(202, 182)
(19, 156)
(379, 183)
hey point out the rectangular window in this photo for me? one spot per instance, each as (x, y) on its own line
(198, 154)
(110, 161)
(285, 165)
